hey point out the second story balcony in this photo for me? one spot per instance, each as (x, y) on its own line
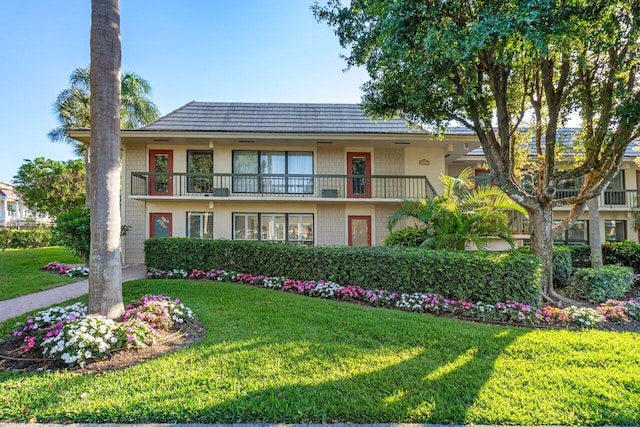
(145, 185)
(622, 200)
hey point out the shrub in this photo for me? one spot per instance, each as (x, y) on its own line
(562, 264)
(580, 256)
(73, 231)
(601, 284)
(411, 237)
(26, 239)
(625, 253)
(472, 276)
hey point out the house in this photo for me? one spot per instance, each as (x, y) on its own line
(320, 174)
(317, 174)
(13, 213)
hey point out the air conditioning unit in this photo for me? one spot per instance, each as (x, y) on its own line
(221, 192)
(329, 193)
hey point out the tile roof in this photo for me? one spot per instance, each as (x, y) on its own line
(276, 118)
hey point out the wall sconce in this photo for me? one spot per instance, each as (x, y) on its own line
(211, 143)
(450, 148)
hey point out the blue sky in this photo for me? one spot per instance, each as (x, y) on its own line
(204, 50)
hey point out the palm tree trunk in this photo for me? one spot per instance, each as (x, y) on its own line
(105, 273)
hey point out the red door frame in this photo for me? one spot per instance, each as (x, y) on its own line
(350, 218)
(153, 216)
(152, 169)
(367, 171)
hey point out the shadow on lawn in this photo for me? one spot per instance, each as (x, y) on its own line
(375, 365)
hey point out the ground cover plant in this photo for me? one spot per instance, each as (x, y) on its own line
(279, 357)
(22, 270)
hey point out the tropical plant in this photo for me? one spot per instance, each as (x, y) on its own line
(72, 107)
(464, 214)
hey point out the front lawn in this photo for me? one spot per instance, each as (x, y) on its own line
(21, 270)
(279, 357)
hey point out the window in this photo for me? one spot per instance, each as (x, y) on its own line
(273, 227)
(577, 234)
(200, 225)
(615, 231)
(199, 163)
(277, 172)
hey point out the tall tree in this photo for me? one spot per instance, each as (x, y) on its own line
(50, 186)
(497, 66)
(105, 270)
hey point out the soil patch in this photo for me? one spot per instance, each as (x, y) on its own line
(14, 359)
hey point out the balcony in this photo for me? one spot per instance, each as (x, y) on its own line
(622, 200)
(145, 185)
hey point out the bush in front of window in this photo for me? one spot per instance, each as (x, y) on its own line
(473, 276)
(410, 237)
(625, 253)
(601, 284)
(580, 256)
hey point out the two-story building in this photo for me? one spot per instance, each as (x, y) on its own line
(13, 213)
(319, 174)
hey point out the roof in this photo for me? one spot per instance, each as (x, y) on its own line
(566, 135)
(276, 118)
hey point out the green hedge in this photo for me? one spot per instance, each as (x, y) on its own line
(471, 276)
(562, 264)
(625, 253)
(601, 284)
(25, 239)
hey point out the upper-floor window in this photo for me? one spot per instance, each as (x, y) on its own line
(199, 162)
(285, 172)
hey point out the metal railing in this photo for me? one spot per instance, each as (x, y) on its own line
(609, 199)
(274, 185)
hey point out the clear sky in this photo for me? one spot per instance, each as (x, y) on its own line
(203, 50)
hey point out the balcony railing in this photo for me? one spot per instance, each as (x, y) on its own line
(609, 199)
(273, 185)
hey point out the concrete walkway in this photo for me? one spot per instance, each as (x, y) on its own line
(26, 303)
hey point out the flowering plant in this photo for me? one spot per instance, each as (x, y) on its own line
(68, 269)
(47, 323)
(160, 312)
(585, 317)
(91, 337)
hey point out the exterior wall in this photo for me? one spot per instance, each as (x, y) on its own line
(133, 211)
(331, 160)
(389, 161)
(436, 166)
(331, 225)
(382, 214)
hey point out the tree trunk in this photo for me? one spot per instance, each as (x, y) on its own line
(87, 177)
(595, 238)
(541, 224)
(105, 270)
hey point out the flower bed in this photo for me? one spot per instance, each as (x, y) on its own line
(67, 269)
(507, 311)
(70, 335)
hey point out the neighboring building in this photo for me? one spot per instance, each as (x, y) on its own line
(321, 174)
(616, 203)
(13, 213)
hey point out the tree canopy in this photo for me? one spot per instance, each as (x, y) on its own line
(72, 107)
(50, 186)
(512, 71)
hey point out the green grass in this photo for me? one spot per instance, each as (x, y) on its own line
(277, 357)
(21, 270)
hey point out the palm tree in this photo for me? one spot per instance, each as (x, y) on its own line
(72, 107)
(105, 272)
(463, 214)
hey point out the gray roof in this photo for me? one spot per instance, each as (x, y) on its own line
(276, 118)
(565, 136)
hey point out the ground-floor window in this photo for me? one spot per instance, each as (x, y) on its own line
(615, 231)
(576, 234)
(200, 225)
(160, 225)
(273, 227)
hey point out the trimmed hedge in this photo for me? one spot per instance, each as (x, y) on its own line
(26, 239)
(625, 253)
(562, 264)
(472, 276)
(601, 284)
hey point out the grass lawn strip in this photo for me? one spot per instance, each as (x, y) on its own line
(22, 272)
(278, 357)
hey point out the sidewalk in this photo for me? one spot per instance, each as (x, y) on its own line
(26, 303)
